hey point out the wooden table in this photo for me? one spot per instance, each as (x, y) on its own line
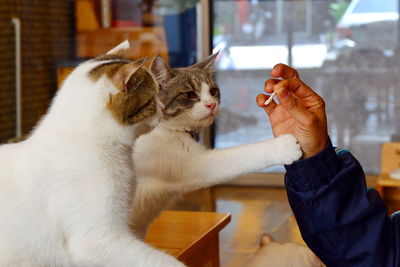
(191, 237)
(390, 160)
(385, 182)
(389, 189)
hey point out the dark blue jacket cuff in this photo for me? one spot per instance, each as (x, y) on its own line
(313, 172)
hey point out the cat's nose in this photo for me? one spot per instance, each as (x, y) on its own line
(211, 106)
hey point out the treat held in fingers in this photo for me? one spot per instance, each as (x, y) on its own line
(270, 99)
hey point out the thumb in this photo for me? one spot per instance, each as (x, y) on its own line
(292, 105)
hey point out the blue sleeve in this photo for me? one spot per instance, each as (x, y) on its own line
(342, 221)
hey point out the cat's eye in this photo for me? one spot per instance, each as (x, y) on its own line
(191, 95)
(214, 91)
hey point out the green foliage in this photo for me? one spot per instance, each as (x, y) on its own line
(336, 10)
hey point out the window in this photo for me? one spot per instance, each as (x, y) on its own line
(366, 6)
(353, 66)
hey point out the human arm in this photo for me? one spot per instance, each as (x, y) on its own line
(341, 221)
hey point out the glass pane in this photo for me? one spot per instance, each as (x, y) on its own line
(352, 65)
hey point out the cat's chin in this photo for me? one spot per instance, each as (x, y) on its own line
(207, 121)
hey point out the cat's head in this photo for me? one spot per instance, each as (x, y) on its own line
(113, 83)
(190, 95)
(136, 96)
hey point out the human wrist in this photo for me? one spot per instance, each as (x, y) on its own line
(315, 171)
(313, 152)
(315, 148)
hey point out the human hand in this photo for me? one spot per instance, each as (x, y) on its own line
(301, 111)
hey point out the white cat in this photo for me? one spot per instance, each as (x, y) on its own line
(274, 254)
(66, 191)
(169, 162)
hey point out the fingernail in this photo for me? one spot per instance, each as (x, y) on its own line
(283, 93)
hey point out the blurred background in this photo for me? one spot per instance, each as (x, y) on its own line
(348, 51)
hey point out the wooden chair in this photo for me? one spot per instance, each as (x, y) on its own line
(390, 160)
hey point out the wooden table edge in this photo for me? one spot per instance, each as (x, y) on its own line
(220, 225)
(385, 180)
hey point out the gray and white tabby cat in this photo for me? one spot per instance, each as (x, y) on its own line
(169, 162)
(66, 191)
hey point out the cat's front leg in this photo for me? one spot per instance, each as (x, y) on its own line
(220, 165)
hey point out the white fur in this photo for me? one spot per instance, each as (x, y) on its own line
(124, 46)
(65, 192)
(169, 162)
(274, 254)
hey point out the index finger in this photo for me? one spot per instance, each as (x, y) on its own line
(284, 71)
(299, 89)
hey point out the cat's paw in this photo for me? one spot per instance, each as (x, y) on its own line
(287, 149)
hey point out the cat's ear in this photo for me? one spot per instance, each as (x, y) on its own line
(161, 71)
(120, 50)
(207, 64)
(125, 72)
